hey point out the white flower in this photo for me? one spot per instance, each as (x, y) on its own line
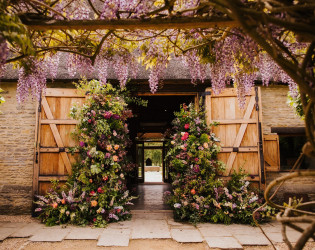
(172, 142)
(177, 205)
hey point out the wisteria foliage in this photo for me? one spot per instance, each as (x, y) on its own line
(226, 56)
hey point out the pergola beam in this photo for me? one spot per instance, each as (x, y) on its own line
(129, 24)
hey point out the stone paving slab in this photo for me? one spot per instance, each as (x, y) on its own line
(211, 230)
(151, 216)
(254, 239)
(223, 242)
(5, 232)
(150, 229)
(50, 234)
(122, 224)
(186, 235)
(84, 233)
(27, 230)
(114, 237)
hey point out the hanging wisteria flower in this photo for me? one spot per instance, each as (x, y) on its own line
(32, 77)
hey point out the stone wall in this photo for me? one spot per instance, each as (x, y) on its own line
(17, 137)
(276, 112)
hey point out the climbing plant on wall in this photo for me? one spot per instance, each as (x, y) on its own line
(96, 191)
(198, 192)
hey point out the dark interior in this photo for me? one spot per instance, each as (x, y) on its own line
(158, 115)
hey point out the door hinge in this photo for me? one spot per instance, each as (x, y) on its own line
(36, 157)
(205, 93)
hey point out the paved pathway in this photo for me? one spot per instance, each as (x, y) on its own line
(151, 225)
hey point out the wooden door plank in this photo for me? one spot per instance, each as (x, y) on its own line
(56, 135)
(36, 150)
(61, 92)
(239, 136)
(208, 106)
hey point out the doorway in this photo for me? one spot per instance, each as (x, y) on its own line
(152, 167)
(148, 128)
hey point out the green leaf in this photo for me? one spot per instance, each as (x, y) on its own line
(95, 169)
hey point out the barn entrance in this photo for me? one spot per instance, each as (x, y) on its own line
(239, 131)
(147, 130)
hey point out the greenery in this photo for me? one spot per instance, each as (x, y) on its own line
(2, 100)
(296, 103)
(199, 195)
(155, 155)
(96, 192)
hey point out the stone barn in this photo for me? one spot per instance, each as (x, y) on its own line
(264, 138)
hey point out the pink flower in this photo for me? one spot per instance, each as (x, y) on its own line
(89, 121)
(186, 126)
(185, 136)
(100, 190)
(82, 144)
(107, 115)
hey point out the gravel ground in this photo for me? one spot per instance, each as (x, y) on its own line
(17, 218)
(19, 244)
(157, 244)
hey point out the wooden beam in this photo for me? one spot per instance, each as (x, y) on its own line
(49, 178)
(129, 24)
(240, 149)
(62, 122)
(55, 150)
(235, 121)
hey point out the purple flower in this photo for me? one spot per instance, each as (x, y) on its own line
(234, 206)
(108, 115)
(116, 117)
(82, 144)
(107, 155)
(197, 120)
(196, 169)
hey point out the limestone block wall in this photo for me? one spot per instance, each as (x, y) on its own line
(276, 112)
(17, 137)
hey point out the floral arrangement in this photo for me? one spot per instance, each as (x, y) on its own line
(199, 195)
(96, 192)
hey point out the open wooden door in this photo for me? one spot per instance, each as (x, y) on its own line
(140, 161)
(53, 132)
(239, 131)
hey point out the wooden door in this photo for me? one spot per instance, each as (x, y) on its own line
(272, 153)
(54, 127)
(239, 131)
(140, 161)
